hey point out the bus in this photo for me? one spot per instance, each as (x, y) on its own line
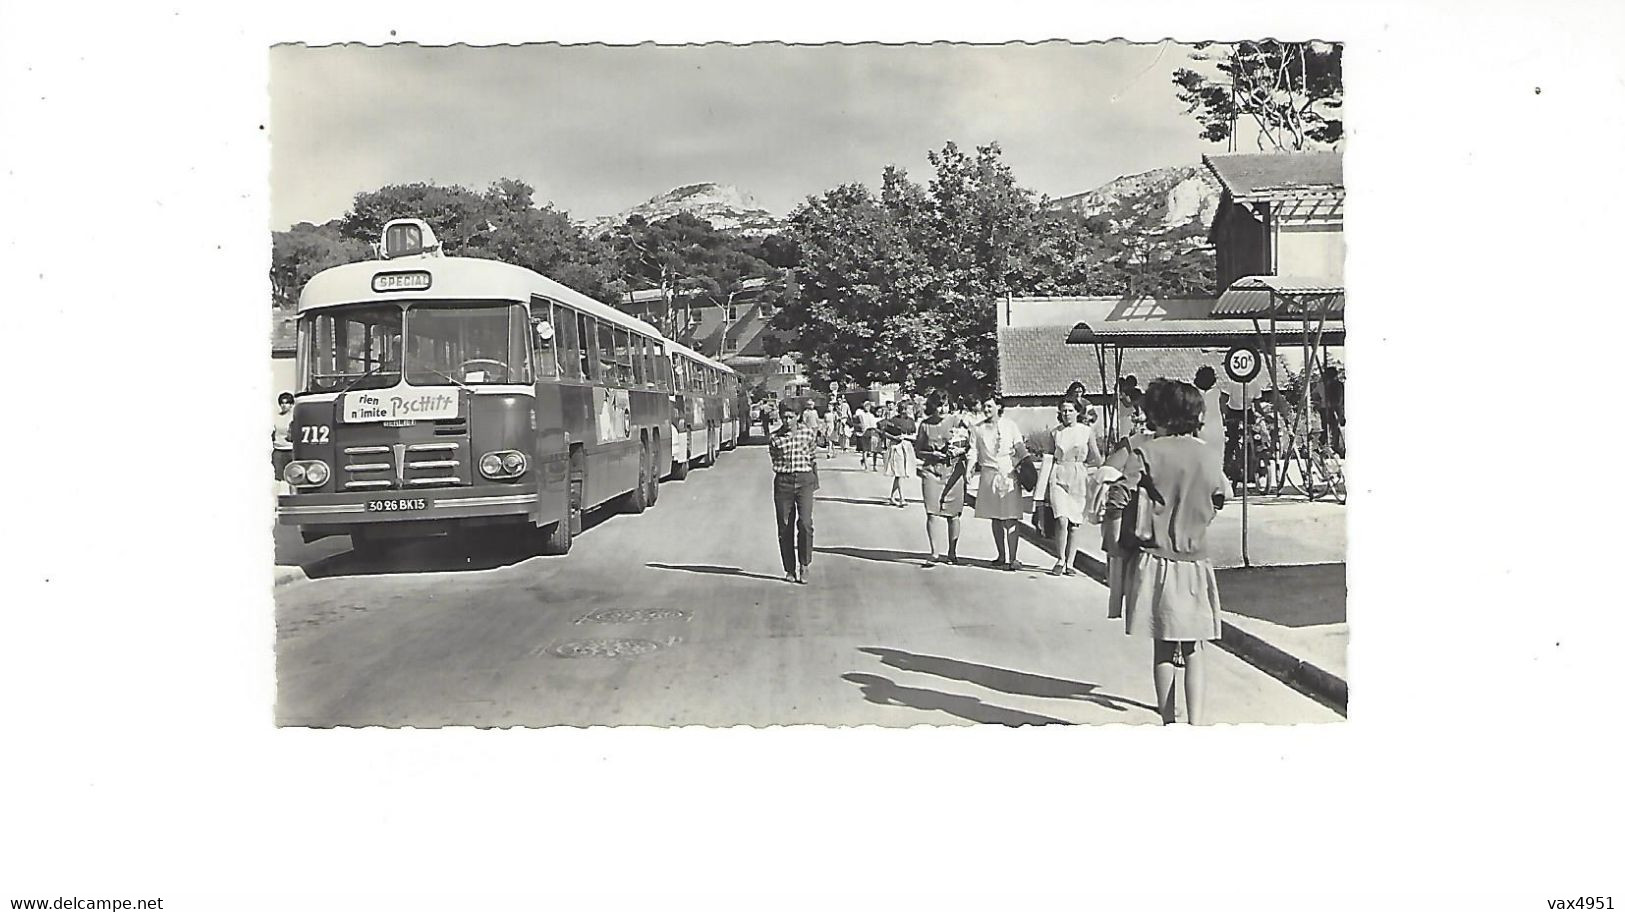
(439, 393)
(706, 416)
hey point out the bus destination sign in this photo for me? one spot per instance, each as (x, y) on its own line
(417, 280)
(403, 403)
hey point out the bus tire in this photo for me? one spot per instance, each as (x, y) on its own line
(557, 538)
(637, 499)
(654, 476)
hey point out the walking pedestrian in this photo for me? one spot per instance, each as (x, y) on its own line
(1111, 517)
(999, 447)
(793, 450)
(900, 463)
(866, 423)
(1072, 463)
(941, 444)
(1171, 593)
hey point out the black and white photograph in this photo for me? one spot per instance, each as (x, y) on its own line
(850, 386)
(735, 456)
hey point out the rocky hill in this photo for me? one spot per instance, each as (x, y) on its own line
(1176, 204)
(725, 206)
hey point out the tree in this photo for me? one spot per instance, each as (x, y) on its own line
(503, 223)
(1291, 91)
(685, 258)
(304, 250)
(900, 287)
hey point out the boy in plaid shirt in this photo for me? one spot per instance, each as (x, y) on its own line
(793, 449)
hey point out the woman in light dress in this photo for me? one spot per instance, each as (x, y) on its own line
(1072, 465)
(900, 463)
(999, 447)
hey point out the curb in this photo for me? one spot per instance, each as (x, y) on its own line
(285, 575)
(1306, 678)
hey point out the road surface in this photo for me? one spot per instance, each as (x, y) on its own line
(680, 617)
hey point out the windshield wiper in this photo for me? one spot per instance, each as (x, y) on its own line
(451, 378)
(351, 385)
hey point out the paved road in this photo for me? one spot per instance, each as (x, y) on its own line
(679, 616)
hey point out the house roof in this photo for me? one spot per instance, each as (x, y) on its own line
(1274, 175)
(1037, 361)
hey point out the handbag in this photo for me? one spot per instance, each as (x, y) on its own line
(1139, 531)
(1027, 474)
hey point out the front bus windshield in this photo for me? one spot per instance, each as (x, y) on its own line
(469, 344)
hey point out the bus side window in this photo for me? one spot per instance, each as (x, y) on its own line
(547, 362)
(569, 346)
(640, 351)
(606, 355)
(663, 367)
(623, 357)
(589, 346)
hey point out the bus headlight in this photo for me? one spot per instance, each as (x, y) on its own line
(310, 473)
(503, 464)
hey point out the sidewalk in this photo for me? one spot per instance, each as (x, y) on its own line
(1286, 613)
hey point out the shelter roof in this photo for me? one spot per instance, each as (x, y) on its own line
(1275, 175)
(1293, 296)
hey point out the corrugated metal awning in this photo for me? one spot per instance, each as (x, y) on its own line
(1285, 296)
(1200, 334)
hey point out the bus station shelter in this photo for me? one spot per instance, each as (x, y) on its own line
(1265, 313)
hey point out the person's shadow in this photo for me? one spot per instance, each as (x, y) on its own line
(720, 571)
(884, 692)
(1004, 680)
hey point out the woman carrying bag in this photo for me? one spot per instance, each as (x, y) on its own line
(1173, 484)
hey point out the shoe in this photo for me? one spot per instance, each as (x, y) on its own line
(1057, 570)
(791, 578)
(952, 559)
(806, 570)
(1015, 566)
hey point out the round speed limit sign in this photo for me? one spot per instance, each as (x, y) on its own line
(1242, 363)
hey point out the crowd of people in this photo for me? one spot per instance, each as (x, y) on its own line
(1151, 485)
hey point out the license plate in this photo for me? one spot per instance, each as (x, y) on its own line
(397, 505)
(404, 422)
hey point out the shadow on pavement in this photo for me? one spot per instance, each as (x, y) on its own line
(1005, 680)
(447, 554)
(884, 555)
(859, 501)
(884, 692)
(720, 571)
(1301, 596)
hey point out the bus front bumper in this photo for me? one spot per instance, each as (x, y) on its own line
(354, 508)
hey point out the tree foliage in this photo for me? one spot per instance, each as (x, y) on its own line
(1291, 91)
(685, 258)
(902, 286)
(304, 250)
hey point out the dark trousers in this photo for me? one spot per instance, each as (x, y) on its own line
(793, 506)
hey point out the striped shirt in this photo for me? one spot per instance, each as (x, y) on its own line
(794, 450)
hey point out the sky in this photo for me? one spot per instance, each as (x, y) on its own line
(598, 129)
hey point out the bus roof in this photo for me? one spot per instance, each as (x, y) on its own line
(453, 278)
(682, 349)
